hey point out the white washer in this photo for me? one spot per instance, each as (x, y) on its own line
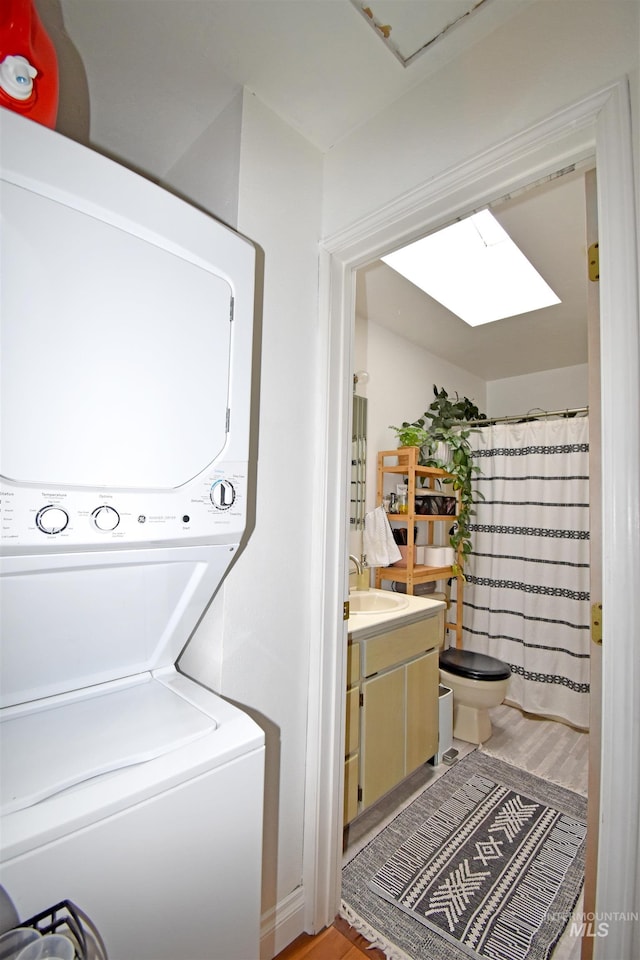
(127, 325)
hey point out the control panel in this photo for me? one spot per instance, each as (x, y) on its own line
(211, 508)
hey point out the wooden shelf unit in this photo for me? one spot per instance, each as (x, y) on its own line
(405, 464)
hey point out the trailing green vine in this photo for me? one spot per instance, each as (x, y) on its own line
(446, 418)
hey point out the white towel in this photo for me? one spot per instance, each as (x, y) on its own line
(378, 544)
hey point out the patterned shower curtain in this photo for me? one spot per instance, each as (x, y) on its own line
(526, 600)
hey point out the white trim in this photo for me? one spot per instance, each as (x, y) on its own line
(564, 138)
(618, 887)
(282, 924)
(597, 124)
(326, 725)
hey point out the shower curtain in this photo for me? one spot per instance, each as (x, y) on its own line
(526, 599)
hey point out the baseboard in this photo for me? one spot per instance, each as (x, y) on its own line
(282, 924)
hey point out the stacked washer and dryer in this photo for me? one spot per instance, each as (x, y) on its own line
(128, 789)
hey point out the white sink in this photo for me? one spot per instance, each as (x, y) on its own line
(373, 601)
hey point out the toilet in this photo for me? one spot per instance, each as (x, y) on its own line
(479, 682)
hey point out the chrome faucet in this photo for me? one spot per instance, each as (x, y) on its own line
(357, 563)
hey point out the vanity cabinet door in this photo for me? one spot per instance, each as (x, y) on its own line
(352, 731)
(383, 734)
(351, 771)
(352, 734)
(422, 710)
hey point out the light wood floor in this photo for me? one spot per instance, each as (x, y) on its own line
(339, 942)
(545, 748)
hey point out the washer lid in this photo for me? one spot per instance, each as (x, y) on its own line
(66, 743)
(150, 734)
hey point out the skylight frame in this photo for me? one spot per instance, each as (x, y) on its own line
(375, 14)
(475, 270)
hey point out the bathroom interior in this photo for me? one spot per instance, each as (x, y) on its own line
(405, 343)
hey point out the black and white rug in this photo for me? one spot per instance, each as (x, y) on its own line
(487, 862)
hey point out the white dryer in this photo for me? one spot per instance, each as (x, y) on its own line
(127, 326)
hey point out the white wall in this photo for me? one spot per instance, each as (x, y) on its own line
(548, 56)
(253, 645)
(207, 173)
(400, 387)
(401, 379)
(560, 389)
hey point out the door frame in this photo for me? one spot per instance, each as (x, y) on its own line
(597, 127)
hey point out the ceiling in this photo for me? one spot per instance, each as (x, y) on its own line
(157, 73)
(548, 224)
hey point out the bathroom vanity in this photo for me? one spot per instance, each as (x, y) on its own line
(392, 696)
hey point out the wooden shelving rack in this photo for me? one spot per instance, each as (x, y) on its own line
(403, 462)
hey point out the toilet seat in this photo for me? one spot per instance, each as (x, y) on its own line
(473, 666)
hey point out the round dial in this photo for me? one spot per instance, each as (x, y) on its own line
(105, 518)
(52, 519)
(222, 494)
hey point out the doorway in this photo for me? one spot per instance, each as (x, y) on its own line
(408, 342)
(597, 125)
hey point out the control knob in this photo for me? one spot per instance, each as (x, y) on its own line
(105, 518)
(222, 494)
(52, 519)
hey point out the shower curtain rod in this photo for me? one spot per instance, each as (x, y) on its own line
(534, 414)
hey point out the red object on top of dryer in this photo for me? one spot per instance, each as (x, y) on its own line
(28, 63)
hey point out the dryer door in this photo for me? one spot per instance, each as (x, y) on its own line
(126, 386)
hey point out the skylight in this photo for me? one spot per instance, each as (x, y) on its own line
(474, 269)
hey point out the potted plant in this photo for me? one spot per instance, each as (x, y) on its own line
(411, 435)
(447, 417)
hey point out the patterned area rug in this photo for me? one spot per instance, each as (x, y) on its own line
(487, 862)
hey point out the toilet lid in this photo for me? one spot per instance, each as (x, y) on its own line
(474, 666)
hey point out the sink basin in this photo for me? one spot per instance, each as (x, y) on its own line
(372, 601)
